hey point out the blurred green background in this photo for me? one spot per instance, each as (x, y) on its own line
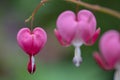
(54, 62)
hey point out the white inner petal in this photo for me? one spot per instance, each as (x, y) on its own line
(77, 43)
(117, 75)
(77, 59)
(117, 72)
(33, 62)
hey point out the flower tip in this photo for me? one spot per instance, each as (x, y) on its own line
(95, 36)
(77, 64)
(30, 69)
(77, 61)
(31, 65)
(98, 30)
(98, 59)
(101, 62)
(96, 56)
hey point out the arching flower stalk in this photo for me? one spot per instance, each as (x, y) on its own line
(31, 42)
(76, 30)
(109, 57)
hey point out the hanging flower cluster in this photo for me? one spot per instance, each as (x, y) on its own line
(31, 42)
(73, 29)
(110, 52)
(76, 30)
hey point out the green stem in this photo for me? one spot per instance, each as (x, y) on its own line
(35, 11)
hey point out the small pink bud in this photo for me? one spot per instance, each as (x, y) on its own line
(110, 52)
(76, 30)
(31, 42)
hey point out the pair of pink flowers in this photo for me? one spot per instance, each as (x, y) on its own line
(71, 29)
(74, 30)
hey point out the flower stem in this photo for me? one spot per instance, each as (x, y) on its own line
(35, 11)
(97, 8)
(77, 7)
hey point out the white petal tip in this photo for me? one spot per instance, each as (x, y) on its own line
(117, 75)
(33, 62)
(77, 61)
(77, 65)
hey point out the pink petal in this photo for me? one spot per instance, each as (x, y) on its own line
(66, 25)
(94, 38)
(24, 39)
(86, 26)
(89, 18)
(110, 47)
(83, 32)
(59, 38)
(101, 61)
(40, 38)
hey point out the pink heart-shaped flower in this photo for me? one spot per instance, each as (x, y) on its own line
(109, 49)
(76, 29)
(80, 27)
(110, 52)
(31, 41)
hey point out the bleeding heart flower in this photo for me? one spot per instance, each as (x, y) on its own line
(76, 30)
(31, 42)
(110, 52)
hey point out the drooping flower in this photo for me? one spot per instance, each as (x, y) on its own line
(109, 57)
(76, 30)
(31, 42)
